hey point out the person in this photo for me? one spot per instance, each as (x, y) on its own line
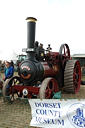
(9, 70)
(12, 63)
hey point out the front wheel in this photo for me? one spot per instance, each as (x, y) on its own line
(9, 93)
(48, 88)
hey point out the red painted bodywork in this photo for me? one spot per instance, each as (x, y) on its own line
(54, 68)
(31, 89)
(50, 71)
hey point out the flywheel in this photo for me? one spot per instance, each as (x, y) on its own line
(72, 76)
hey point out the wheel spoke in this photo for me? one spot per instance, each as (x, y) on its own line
(49, 95)
(12, 97)
(76, 82)
(17, 94)
(49, 91)
(76, 68)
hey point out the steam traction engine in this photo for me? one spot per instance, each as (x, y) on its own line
(44, 72)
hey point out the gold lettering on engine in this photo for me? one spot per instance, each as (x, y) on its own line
(26, 67)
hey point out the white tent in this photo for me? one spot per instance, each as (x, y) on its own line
(12, 56)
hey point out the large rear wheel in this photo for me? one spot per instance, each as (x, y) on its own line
(72, 76)
(48, 88)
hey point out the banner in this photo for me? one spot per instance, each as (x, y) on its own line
(55, 113)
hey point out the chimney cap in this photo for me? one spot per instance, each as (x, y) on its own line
(31, 19)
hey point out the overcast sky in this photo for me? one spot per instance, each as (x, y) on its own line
(58, 22)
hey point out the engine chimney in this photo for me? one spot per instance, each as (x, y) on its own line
(31, 24)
